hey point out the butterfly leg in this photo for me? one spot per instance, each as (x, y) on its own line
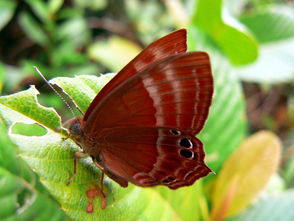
(91, 194)
(102, 175)
(76, 156)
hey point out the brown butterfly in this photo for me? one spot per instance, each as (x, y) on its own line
(141, 126)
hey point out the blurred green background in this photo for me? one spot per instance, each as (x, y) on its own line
(249, 135)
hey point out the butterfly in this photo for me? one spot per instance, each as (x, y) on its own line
(141, 127)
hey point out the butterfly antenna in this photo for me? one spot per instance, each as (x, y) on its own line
(50, 85)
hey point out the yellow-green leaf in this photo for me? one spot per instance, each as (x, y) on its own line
(245, 174)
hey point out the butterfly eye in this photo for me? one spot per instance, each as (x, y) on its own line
(168, 180)
(186, 153)
(185, 142)
(175, 132)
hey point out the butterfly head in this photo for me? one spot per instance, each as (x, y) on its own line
(76, 129)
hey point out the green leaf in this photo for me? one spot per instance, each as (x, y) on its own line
(239, 46)
(28, 111)
(7, 8)
(51, 156)
(32, 29)
(270, 25)
(114, 52)
(21, 195)
(237, 183)
(9, 159)
(208, 9)
(12, 188)
(226, 125)
(270, 208)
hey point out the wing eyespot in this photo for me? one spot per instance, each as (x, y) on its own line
(168, 180)
(188, 154)
(185, 142)
(175, 132)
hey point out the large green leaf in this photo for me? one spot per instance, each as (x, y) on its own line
(226, 124)
(239, 46)
(51, 156)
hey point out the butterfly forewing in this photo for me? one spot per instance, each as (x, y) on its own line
(175, 92)
(168, 45)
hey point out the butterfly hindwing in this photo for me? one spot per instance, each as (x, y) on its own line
(153, 156)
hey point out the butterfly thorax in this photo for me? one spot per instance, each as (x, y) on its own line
(76, 130)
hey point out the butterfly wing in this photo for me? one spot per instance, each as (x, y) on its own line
(152, 156)
(145, 127)
(174, 93)
(170, 44)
